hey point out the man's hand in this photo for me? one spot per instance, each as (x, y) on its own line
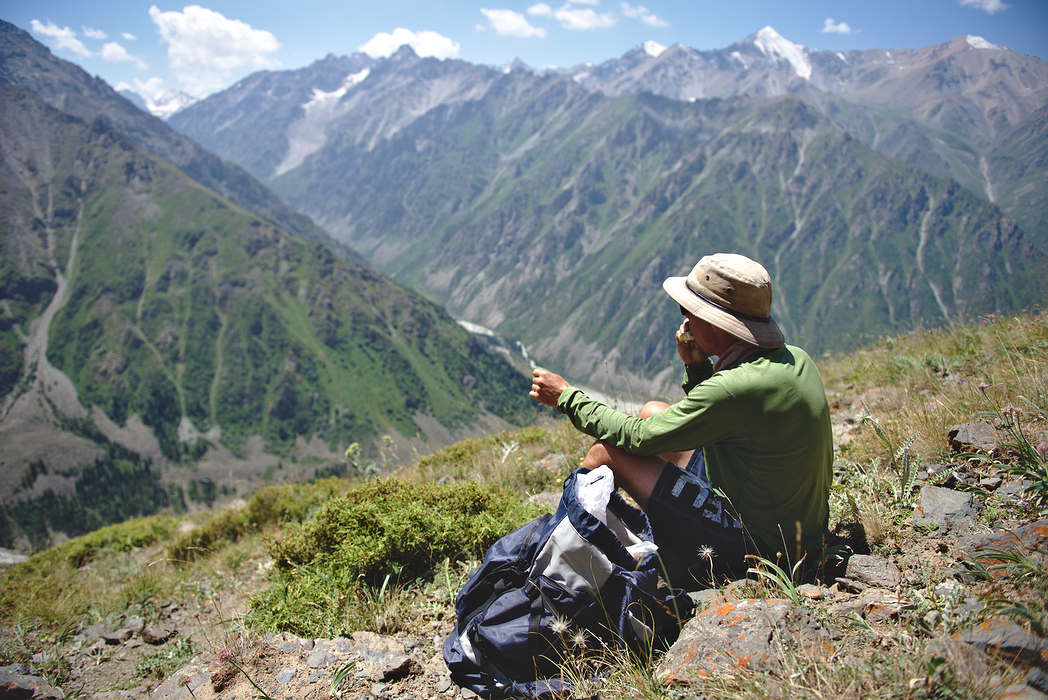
(688, 345)
(546, 387)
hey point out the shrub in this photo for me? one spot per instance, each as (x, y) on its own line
(386, 529)
(269, 506)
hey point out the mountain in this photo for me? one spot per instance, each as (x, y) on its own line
(942, 108)
(156, 336)
(546, 209)
(27, 63)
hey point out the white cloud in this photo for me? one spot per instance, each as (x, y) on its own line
(987, 6)
(424, 43)
(95, 34)
(831, 27)
(583, 18)
(540, 10)
(146, 88)
(510, 23)
(205, 48)
(128, 35)
(115, 52)
(149, 87)
(65, 38)
(644, 15)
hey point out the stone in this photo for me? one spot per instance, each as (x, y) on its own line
(945, 508)
(873, 571)
(973, 437)
(117, 636)
(17, 686)
(135, 624)
(157, 635)
(93, 632)
(549, 499)
(285, 676)
(735, 635)
(320, 659)
(1026, 540)
(1014, 490)
(383, 658)
(179, 684)
(1005, 638)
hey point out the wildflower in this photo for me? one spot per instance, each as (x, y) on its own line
(706, 552)
(84, 569)
(559, 625)
(579, 639)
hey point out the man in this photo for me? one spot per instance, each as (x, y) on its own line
(743, 463)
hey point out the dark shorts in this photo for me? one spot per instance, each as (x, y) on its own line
(700, 541)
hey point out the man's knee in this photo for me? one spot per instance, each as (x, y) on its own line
(637, 475)
(651, 408)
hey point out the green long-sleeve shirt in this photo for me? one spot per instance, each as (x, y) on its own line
(764, 427)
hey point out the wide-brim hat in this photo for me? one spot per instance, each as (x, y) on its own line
(731, 292)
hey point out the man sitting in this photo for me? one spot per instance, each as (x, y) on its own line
(743, 463)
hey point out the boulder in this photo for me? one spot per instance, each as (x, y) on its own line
(945, 508)
(741, 634)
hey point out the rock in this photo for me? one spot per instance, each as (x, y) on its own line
(320, 659)
(873, 571)
(178, 684)
(945, 508)
(1033, 687)
(117, 637)
(1005, 638)
(550, 499)
(972, 437)
(17, 686)
(93, 632)
(740, 634)
(383, 658)
(285, 676)
(1026, 540)
(135, 624)
(1013, 490)
(873, 604)
(157, 635)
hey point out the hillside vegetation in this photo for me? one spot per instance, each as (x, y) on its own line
(171, 308)
(388, 555)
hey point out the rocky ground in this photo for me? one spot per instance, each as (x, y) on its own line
(200, 652)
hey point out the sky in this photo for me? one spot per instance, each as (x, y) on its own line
(199, 49)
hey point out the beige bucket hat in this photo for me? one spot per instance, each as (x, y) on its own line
(731, 292)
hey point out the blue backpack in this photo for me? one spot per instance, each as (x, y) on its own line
(554, 587)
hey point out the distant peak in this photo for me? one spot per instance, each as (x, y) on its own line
(775, 46)
(653, 48)
(977, 42)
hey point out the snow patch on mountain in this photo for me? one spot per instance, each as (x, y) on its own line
(977, 42)
(321, 99)
(653, 48)
(308, 134)
(775, 46)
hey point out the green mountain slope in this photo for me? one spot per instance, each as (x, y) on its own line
(166, 304)
(27, 63)
(555, 214)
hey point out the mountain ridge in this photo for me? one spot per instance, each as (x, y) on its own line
(497, 206)
(174, 342)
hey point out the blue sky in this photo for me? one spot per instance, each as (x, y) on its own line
(199, 49)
